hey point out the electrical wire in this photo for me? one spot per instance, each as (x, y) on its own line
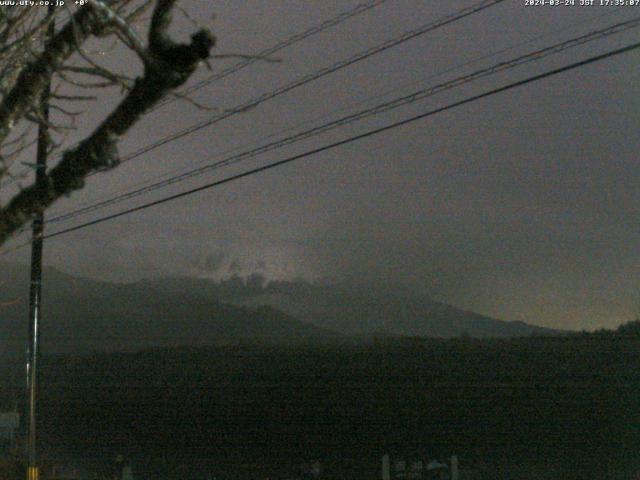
(266, 53)
(345, 120)
(306, 79)
(351, 139)
(171, 173)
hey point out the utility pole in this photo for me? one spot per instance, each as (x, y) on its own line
(35, 291)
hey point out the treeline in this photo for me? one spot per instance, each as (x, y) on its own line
(567, 406)
(626, 330)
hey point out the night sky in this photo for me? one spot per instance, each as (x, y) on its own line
(523, 205)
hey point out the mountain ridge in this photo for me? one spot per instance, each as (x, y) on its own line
(81, 314)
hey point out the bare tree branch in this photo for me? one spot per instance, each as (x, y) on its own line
(123, 28)
(35, 76)
(167, 65)
(97, 71)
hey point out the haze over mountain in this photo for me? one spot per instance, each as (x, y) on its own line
(83, 315)
(356, 309)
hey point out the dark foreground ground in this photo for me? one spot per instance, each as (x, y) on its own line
(561, 408)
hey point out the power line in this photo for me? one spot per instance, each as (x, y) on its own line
(148, 183)
(250, 104)
(267, 52)
(446, 20)
(352, 139)
(358, 57)
(304, 80)
(381, 108)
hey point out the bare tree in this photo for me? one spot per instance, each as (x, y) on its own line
(27, 70)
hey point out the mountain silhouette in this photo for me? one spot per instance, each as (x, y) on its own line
(81, 315)
(84, 315)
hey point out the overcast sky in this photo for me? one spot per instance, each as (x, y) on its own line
(523, 205)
